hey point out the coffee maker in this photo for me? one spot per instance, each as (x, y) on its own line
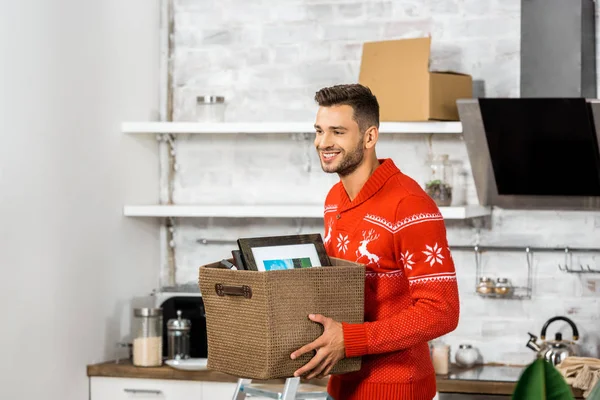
(192, 309)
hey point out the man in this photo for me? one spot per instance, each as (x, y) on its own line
(378, 216)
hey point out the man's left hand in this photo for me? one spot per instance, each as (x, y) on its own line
(329, 347)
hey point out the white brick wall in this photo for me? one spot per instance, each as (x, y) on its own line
(268, 58)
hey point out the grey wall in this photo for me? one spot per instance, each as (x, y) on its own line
(71, 71)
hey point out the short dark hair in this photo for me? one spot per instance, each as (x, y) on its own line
(359, 97)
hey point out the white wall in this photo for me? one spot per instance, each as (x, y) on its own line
(268, 58)
(70, 72)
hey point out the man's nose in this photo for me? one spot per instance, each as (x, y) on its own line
(323, 141)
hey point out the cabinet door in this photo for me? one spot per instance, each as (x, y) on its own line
(143, 389)
(225, 391)
(218, 390)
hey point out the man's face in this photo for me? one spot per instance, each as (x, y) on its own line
(338, 140)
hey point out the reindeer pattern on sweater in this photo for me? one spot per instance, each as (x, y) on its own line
(411, 295)
(362, 243)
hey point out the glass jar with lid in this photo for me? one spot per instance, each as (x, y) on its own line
(503, 287)
(178, 337)
(147, 337)
(439, 183)
(210, 108)
(485, 286)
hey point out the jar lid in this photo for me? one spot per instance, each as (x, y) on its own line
(147, 312)
(465, 346)
(179, 324)
(484, 279)
(502, 280)
(210, 99)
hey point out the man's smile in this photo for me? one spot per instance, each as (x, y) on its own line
(329, 155)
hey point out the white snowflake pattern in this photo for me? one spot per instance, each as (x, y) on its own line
(434, 255)
(343, 242)
(407, 260)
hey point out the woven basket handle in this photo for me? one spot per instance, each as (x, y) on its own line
(244, 290)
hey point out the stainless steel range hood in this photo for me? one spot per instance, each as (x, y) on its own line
(540, 151)
(534, 153)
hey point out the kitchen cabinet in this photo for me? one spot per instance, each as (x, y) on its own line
(218, 390)
(102, 388)
(105, 388)
(108, 388)
(224, 391)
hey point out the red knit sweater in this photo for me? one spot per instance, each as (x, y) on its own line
(411, 296)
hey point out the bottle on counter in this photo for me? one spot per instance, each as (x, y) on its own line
(147, 337)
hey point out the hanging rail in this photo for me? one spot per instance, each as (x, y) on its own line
(524, 248)
(216, 241)
(481, 248)
(478, 249)
(568, 252)
(528, 289)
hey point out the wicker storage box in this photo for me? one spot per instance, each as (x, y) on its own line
(256, 319)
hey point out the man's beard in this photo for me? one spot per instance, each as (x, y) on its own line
(350, 161)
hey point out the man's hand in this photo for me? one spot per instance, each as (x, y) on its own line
(329, 346)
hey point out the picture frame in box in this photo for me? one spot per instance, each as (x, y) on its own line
(283, 252)
(237, 259)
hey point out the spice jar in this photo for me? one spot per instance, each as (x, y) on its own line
(503, 287)
(210, 109)
(485, 286)
(178, 337)
(439, 183)
(147, 337)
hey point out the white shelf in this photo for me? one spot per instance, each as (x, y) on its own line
(278, 127)
(268, 211)
(465, 212)
(232, 211)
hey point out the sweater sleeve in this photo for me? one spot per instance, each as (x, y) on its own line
(423, 255)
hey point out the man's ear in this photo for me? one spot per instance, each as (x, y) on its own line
(371, 136)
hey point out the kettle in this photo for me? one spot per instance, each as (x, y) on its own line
(554, 351)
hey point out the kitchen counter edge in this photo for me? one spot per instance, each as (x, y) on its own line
(125, 369)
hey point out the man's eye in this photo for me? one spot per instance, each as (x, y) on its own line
(338, 133)
(319, 132)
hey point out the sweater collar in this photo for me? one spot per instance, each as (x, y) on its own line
(385, 171)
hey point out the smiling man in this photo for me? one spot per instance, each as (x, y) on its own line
(379, 216)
